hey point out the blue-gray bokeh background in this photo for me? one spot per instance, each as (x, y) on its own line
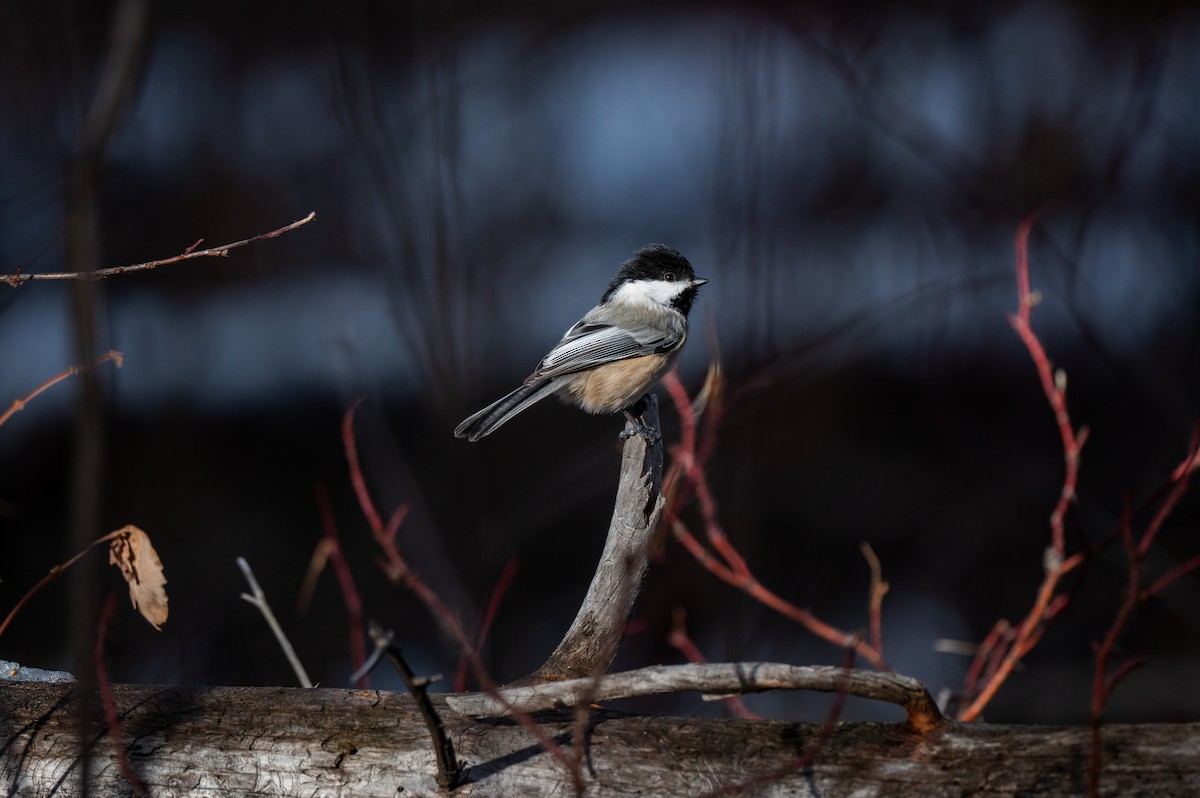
(849, 179)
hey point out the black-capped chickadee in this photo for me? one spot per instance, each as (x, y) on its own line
(615, 353)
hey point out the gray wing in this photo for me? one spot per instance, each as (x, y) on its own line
(591, 343)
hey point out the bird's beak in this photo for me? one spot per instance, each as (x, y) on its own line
(699, 281)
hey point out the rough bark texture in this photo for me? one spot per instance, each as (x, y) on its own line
(292, 741)
(590, 645)
(712, 678)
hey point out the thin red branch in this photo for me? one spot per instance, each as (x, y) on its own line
(1173, 496)
(753, 588)
(1048, 604)
(1101, 684)
(350, 595)
(987, 656)
(495, 597)
(805, 759)
(398, 570)
(1170, 576)
(1192, 462)
(879, 589)
(356, 476)
(731, 567)
(679, 639)
(19, 404)
(54, 572)
(1054, 385)
(110, 706)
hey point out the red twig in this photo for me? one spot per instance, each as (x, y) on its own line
(1048, 603)
(1180, 480)
(1104, 683)
(499, 590)
(106, 699)
(350, 595)
(398, 570)
(987, 656)
(728, 564)
(1054, 385)
(879, 589)
(356, 476)
(680, 640)
(823, 735)
(54, 572)
(19, 404)
(1171, 576)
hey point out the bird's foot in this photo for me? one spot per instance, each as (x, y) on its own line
(638, 427)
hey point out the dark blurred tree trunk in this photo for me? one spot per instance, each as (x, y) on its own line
(240, 740)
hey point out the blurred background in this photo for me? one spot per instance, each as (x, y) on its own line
(848, 176)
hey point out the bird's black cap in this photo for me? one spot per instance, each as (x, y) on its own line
(658, 262)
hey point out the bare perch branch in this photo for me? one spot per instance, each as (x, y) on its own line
(720, 678)
(17, 279)
(591, 643)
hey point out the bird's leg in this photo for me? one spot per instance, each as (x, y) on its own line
(634, 413)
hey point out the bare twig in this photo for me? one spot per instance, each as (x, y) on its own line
(54, 572)
(1054, 385)
(680, 640)
(259, 599)
(381, 644)
(18, 279)
(727, 563)
(110, 707)
(1056, 564)
(398, 571)
(726, 678)
(341, 569)
(1103, 682)
(449, 771)
(805, 759)
(499, 590)
(879, 589)
(19, 404)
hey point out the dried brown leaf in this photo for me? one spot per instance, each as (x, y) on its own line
(129, 549)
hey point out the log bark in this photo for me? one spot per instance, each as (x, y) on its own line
(292, 741)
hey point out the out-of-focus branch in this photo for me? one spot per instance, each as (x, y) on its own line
(19, 404)
(727, 563)
(188, 254)
(680, 640)
(259, 599)
(110, 708)
(398, 571)
(345, 579)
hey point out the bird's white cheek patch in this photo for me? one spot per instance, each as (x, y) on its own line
(648, 292)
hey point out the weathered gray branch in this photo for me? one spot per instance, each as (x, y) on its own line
(292, 741)
(715, 678)
(590, 645)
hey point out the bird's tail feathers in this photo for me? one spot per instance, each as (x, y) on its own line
(489, 418)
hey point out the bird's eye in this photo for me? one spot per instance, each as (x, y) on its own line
(669, 277)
